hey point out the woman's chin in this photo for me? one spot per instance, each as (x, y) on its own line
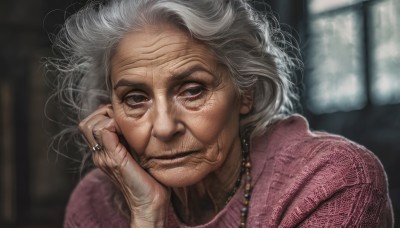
(179, 176)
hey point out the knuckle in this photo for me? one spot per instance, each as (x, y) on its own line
(97, 131)
(89, 126)
(81, 126)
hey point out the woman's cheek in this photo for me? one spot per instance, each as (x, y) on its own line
(134, 130)
(204, 125)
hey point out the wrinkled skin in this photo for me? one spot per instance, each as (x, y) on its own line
(178, 111)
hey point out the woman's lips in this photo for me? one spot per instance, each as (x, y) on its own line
(174, 155)
(169, 159)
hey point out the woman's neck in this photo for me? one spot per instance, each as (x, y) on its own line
(199, 203)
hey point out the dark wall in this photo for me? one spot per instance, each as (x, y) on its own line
(35, 183)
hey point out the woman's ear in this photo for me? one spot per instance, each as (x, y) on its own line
(246, 102)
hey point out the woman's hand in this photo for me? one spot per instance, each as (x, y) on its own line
(147, 199)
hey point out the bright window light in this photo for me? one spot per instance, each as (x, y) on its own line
(385, 82)
(319, 6)
(335, 80)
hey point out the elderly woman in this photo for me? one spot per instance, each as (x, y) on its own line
(185, 106)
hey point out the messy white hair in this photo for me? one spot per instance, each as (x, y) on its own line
(250, 45)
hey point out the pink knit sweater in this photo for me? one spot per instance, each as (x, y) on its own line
(301, 178)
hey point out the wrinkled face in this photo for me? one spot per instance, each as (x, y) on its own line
(175, 105)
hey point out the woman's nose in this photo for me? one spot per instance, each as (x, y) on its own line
(166, 124)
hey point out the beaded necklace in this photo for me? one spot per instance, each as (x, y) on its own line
(245, 169)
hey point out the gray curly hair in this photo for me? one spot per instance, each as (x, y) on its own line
(251, 46)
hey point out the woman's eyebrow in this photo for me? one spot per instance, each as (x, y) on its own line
(186, 73)
(176, 77)
(129, 83)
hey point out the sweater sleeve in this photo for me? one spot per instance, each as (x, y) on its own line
(90, 204)
(360, 196)
(340, 184)
(360, 205)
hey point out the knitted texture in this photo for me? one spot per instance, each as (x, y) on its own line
(300, 178)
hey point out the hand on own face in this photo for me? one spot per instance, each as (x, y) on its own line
(144, 195)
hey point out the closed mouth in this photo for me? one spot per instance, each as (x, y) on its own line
(175, 155)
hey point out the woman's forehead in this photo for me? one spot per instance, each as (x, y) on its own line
(165, 48)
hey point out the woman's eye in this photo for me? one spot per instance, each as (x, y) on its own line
(135, 99)
(192, 91)
(193, 95)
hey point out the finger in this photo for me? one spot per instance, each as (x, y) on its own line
(105, 110)
(105, 158)
(87, 127)
(119, 163)
(135, 183)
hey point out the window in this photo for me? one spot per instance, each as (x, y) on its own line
(385, 70)
(320, 6)
(345, 37)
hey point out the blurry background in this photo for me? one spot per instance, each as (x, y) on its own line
(350, 86)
